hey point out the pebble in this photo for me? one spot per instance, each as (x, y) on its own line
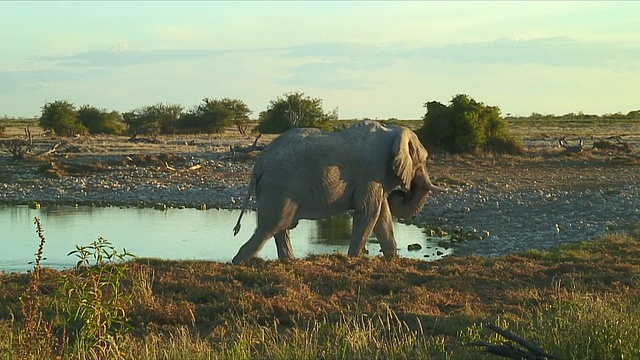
(518, 220)
(133, 185)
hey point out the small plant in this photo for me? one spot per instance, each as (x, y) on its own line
(37, 328)
(91, 302)
(89, 305)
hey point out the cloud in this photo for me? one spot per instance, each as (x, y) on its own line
(123, 55)
(337, 66)
(28, 80)
(332, 75)
(353, 65)
(553, 51)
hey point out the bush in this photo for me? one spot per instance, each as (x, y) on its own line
(466, 126)
(61, 117)
(155, 119)
(101, 121)
(214, 116)
(295, 110)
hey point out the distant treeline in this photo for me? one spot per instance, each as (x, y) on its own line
(62, 117)
(215, 115)
(631, 115)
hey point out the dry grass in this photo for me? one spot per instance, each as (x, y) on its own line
(435, 300)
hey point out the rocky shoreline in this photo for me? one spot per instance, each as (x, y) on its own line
(499, 222)
(491, 215)
(139, 186)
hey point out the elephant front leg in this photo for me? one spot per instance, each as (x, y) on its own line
(283, 244)
(384, 231)
(365, 217)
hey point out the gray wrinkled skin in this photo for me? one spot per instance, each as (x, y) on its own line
(372, 169)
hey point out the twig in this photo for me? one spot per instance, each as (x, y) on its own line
(508, 350)
(50, 151)
(256, 140)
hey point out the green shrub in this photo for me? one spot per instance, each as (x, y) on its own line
(295, 110)
(99, 121)
(61, 117)
(154, 119)
(214, 116)
(466, 126)
(85, 313)
(91, 302)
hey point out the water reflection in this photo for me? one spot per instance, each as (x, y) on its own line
(172, 234)
(335, 230)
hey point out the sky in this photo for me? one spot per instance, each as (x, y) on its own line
(373, 59)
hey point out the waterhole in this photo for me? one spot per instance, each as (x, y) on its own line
(175, 234)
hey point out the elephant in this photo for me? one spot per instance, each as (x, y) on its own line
(373, 169)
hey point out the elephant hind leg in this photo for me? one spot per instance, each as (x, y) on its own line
(274, 220)
(252, 247)
(283, 244)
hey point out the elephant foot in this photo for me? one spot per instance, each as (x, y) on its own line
(237, 260)
(390, 256)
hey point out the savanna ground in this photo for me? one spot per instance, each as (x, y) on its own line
(576, 302)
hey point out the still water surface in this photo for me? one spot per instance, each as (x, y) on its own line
(177, 234)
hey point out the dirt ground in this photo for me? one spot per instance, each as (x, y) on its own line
(546, 163)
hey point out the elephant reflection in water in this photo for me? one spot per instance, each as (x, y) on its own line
(334, 230)
(375, 170)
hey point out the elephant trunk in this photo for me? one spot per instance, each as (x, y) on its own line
(407, 204)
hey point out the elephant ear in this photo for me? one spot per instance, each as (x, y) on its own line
(402, 159)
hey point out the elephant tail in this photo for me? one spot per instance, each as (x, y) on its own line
(252, 186)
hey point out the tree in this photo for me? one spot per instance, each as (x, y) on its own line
(61, 117)
(635, 114)
(154, 119)
(101, 121)
(294, 110)
(240, 113)
(215, 115)
(466, 125)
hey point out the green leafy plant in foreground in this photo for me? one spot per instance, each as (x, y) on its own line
(88, 306)
(91, 302)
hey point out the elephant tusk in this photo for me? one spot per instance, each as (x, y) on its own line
(431, 187)
(438, 188)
